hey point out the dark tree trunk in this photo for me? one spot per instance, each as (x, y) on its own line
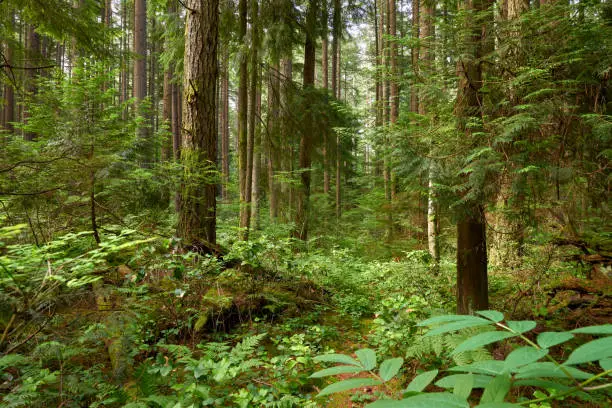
(197, 215)
(33, 58)
(145, 147)
(9, 92)
(225, 131)
(303, 196)
(472, 286)
(472, 292)
(243, 118)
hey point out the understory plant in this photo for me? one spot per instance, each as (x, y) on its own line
(532, 364)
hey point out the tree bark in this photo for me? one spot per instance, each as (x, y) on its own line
(252, 117)
(225, 130)
(243, 119)
(9, 91)
(33, 55)
(272, 136)
(145, 147)
(197, 215)
(303, 196)
(472, 291)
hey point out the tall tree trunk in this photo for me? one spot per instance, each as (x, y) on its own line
(285, 131)
(303, 196)
(337, 35)
(33, 56)
(325, 71)
(197, 215)
(255, 189)
(225, 130)
(414, 55)
(472, 291)
(140, 79)
(243, 119)
(252, 111)
(426, 31)
(9, 92)
(272, 136)
(168, 101)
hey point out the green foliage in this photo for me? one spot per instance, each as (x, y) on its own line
(520, 367)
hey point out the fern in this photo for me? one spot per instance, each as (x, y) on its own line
(440, 346)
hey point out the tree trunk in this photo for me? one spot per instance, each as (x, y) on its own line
(33, 55)
(145, 147)
(168, 105)
(336, 33)
(303, 196)
(272, 136)
(325, 71)
(9, 92)
(243, 119)
(414, 55)
(472, 286)
(225, 130)
(255, 190)
(197, 215)
(252, 118)
(472, 291)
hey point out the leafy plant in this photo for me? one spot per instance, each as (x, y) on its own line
(523, 367)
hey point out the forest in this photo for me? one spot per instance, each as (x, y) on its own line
(305, 203)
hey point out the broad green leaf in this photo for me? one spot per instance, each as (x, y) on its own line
(389, 368)
(429, 400)
(602, 329)
(497, 389)
(343, 369)
(445, 319)
(491, 367)
(523, 356)
(480, 380)
(367, 357)
(421, 381)
(470, 321)
(336, 358)
(549, 339)
(493, 315)
(498, 405)
(549, 370)
(463, 386)
(480, 340)
(606, 363)
(521, 326)
(591, 351)
(348, 385)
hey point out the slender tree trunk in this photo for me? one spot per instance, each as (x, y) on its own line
(9, 91)
(197, 215)
(33, 56)
(325, 71)
(168, 105)
(303, 197)
(145, 148)
(337, 35)
(255, 190)
(225, 130)
(286, 145)
(243, 120)
(272, 136)
(252, 117)
(414, 55)
(472, 291)
(426, 31)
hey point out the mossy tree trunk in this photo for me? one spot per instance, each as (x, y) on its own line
(197, 214)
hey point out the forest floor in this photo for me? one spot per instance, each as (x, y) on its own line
(156, 327)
